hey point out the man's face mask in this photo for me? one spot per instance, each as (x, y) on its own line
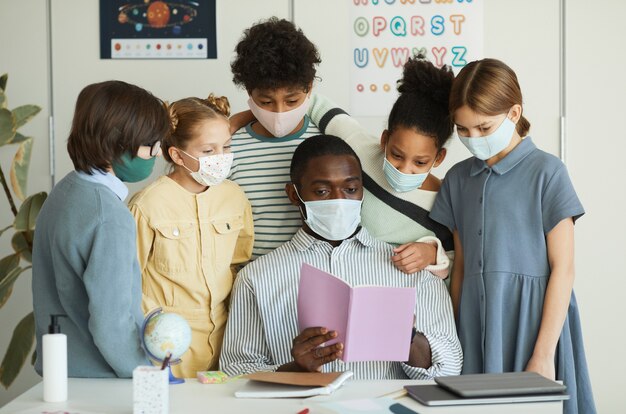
(335, 219)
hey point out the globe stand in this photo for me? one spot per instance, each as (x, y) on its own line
(173, 379)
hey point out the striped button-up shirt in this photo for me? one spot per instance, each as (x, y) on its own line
(263, 316)
(261, 168)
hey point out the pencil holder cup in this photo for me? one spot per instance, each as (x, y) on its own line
(150, 390)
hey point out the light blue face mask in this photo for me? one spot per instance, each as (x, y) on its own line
(490, 145)
(402, 182)
(335, 219)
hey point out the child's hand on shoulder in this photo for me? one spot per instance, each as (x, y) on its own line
(415, 256)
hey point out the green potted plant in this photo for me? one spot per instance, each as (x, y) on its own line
(22, 228)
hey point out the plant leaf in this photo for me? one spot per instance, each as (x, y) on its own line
(18, 350)
(18, 138)
(7, 126)
(21, 246)
(3, 100)
(7, 265)
(19, 168)
(33, 358)
(24, 113)
(6, 285)
(3, 82)
(27, 215)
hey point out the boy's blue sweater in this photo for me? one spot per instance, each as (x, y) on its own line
(85, 266)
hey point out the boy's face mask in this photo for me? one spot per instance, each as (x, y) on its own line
(279, 124)
(132, 170)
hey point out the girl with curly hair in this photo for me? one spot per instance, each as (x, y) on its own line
(399, 187)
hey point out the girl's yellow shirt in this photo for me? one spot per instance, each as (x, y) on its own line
(190, 247)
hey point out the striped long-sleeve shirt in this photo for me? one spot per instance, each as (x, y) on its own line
(263, 318)
(261, 168)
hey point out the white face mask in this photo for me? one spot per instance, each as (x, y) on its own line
(335, 219)
(279, 124)
(212, 169)
(490, 145)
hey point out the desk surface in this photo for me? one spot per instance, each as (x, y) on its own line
(112, 396)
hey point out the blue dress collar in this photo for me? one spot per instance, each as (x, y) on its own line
(506, 164)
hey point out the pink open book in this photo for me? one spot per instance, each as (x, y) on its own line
(374, 323)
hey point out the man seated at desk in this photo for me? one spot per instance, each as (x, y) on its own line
(262, 329)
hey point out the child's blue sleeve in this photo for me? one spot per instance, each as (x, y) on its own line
(442, 210)
(559, 200)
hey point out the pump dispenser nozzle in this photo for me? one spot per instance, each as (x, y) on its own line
(54, 324)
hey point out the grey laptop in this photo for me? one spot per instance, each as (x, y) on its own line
(488, 389)
(493, 385)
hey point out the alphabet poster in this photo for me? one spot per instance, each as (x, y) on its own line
(385, 33)
(155, 29)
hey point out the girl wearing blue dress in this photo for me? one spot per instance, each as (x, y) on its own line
(512, 209)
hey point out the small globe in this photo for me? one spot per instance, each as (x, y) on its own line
(166, 332)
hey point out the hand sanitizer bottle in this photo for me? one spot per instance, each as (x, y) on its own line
(54, 352)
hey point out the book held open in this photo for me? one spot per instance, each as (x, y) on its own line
(374, 323)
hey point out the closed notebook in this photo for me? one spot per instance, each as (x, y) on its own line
(291, 384)
(374, 323)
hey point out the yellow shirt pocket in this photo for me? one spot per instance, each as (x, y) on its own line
(175, 248)
(226, 235)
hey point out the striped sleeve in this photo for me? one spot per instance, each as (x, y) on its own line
(245, 349)
(261, 169)
(434, 319)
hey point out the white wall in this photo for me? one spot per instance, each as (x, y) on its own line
(595, 157)
(534, 54)
(23, 56)
(523, 34)
(168, 79)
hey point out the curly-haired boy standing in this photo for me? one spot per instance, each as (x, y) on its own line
(276, 65)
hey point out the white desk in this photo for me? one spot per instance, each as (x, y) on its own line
(113, 396)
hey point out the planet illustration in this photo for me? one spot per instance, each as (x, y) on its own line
(158, 14)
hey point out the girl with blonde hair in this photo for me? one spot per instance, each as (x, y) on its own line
(194, 229)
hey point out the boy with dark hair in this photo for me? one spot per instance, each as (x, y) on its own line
(276, 65)
(85, 249)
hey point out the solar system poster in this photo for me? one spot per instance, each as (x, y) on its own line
(147, 29)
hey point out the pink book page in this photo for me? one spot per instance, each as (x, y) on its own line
(323, 300)
(373, 322)
(380, 324)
